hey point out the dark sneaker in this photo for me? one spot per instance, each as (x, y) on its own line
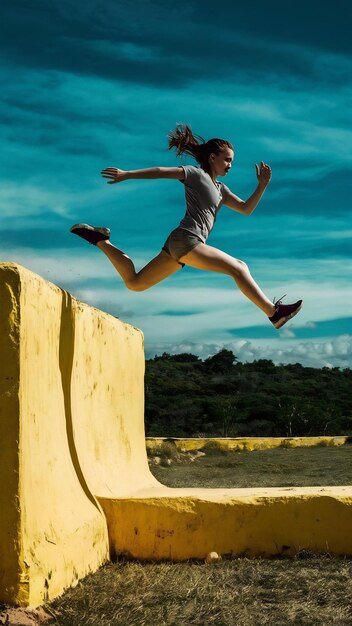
(284, 312)
(93, 234)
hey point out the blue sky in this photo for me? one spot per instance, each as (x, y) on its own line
(97, 84)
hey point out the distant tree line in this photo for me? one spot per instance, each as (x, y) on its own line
(220, 396)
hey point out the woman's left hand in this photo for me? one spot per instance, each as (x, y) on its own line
(263, 173)
(115, 174)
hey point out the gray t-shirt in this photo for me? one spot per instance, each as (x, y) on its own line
(203, 199)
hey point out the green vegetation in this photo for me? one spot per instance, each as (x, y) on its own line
(221, 397)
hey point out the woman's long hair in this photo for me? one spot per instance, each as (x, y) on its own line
(185, 142)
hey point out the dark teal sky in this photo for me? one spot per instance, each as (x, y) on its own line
(97, 84)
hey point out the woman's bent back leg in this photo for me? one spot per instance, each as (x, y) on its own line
(154, 272)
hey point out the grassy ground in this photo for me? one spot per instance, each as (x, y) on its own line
(279, 467)
(305, 590)
(314, 590)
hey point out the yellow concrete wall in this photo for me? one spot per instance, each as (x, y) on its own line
(244, 443)
(108, 404)
(52, 530)
(72, 428)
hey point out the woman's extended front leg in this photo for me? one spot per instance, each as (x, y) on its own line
(206, 257)
(154, 272)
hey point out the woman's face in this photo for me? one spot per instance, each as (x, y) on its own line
(221, 163)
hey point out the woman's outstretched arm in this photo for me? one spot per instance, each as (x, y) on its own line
(247, 206)
(116, 175)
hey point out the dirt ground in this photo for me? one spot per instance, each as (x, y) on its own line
(24, 617)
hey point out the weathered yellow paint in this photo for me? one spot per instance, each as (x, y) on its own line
(72, 448)
(147, 520)
(180, 524)
(157, 522)
(108, 405)
(244, 443)
(52, 529)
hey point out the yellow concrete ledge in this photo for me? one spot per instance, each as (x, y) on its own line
(182, 524)
(244, 443)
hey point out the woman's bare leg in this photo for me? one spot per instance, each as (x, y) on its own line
(202, 257)
(206, 257)
(155, 271)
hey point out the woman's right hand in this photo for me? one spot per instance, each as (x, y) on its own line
(114, 174)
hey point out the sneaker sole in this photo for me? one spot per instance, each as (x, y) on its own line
(103, 231)
(283, 320)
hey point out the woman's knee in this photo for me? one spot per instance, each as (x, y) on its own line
(239, 268)
(133, 284)
(244, 266)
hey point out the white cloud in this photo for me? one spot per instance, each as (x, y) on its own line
(336, 352)
(287, 333)
(76, 267)
(309, 325)
(216, 302)
(28, 199)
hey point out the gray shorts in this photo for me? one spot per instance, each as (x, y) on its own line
(179, 243)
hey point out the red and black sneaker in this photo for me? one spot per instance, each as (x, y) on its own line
(92, 234)
(284, 312)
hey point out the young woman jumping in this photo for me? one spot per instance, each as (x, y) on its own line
(186, 245)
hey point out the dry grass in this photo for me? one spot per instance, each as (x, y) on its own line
(306, 590)
(279, 467)
(312, 590)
